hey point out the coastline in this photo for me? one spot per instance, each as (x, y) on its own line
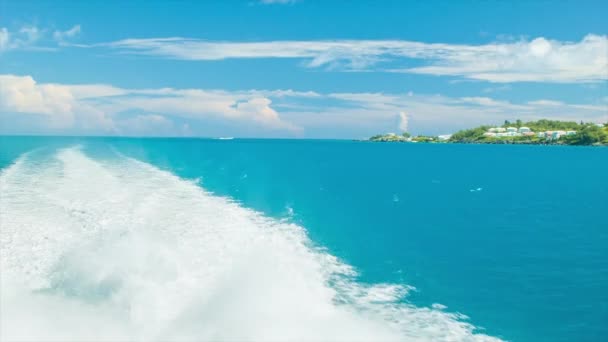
(463, 142)
(541, 132)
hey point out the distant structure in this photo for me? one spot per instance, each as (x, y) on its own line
(524, 130)
(403, 121)
(444, 137)
(501, 132)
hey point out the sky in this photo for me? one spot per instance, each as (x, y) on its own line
(297, 68)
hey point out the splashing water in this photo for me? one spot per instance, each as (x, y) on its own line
(116, 249)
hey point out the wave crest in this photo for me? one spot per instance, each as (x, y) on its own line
(119, 250)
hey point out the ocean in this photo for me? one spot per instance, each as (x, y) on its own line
(161, 239)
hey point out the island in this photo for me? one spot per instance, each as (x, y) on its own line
(541, 132)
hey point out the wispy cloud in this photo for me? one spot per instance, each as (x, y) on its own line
(538, 60)
(25, 37)
(31, 37)
(62, 36)
(4, 38)
(107, 109)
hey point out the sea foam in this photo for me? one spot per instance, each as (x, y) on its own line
(116, 249)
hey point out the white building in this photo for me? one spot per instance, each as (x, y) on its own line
(490, 134)
(444, 137)
(500, 129)
(557, 134)
(511, 129)
(524, 129)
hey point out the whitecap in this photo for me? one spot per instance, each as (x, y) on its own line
(120, 250)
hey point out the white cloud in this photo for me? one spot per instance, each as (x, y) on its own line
(546, 103)
(538, 60)
(97, 106)
(34, 38)
(147, 125)
(24, 95)
(106, 109)
(435, 114)
(55, 104)
(25, 37)
(501, 88)
(403, 120)
(483, 101)
(62, 36)
(4, 39)
(31, 34)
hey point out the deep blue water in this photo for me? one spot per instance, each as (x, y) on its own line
(514, 237)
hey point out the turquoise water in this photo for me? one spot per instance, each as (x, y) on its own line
(514, 237)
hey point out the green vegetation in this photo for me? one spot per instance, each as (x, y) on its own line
(390, 137)
(552, 125)
(585, 134)
(588, 135)
(405, 137)
(422, 138)
(470, 135)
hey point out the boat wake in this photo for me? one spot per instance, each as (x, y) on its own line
(116, 249)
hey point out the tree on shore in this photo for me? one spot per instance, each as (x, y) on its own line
(588, 135)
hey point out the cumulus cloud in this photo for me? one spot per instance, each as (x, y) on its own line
(259, 109)
(106, 109)
(22, 94)
(54, 104)
(538, 60)
(366, 114)
(96, 106)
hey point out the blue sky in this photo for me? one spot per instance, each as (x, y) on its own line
(302, 69)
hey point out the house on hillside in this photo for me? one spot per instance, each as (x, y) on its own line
(444, 137)
(557, 134)
(524, 130)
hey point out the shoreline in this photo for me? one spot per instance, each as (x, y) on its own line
(481, 143)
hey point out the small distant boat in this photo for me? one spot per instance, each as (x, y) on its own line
(225, 138)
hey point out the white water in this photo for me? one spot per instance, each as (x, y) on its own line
(119, 250)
